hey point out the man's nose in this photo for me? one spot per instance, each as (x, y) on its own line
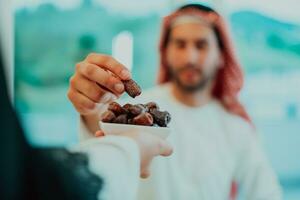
(191, 55)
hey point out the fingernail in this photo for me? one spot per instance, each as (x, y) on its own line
(113, 97)
(125, 74)
(119, 87)
(98, 133)
(106, 97)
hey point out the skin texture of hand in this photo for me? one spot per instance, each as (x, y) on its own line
(96, 80)
(149, 146)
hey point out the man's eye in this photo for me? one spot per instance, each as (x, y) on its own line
(180, 45)
(201, 45)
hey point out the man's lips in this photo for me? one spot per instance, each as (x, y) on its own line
(191, 74)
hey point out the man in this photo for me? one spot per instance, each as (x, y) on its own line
(92, 170)
(215, 145)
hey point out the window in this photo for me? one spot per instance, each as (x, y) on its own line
(122, 48)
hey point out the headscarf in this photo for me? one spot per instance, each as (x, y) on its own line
(229, 78)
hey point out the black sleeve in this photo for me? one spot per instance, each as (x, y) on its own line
(13, 147)
(59, 174)
(32, 173)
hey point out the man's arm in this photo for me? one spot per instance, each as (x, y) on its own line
(116, 159)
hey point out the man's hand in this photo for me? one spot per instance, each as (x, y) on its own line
(149, 146)
(95, 80)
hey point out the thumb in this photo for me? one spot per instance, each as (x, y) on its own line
(165, 148)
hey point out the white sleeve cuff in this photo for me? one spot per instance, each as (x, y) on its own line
(116, 159)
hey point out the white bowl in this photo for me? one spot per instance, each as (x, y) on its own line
(118, 129)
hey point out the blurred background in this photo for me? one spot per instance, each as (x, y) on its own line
(51, 36)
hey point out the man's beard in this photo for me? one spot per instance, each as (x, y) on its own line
(191, 88)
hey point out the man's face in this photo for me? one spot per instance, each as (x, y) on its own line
(192, 56)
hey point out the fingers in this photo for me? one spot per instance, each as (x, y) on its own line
(88, 88)
(145, 173)
(110, 64)
(145, 165)
(82, 103)
(99, 133)
(165, 148)
(102, 77)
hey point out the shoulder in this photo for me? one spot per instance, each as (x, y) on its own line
(238, 129)
(233, 120)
